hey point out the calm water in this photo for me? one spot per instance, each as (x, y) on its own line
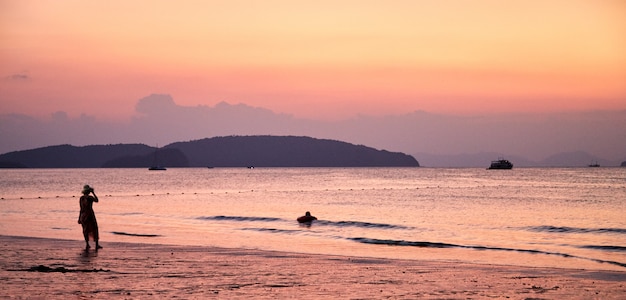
(572, 217)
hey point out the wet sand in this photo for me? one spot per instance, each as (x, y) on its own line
(35, 268)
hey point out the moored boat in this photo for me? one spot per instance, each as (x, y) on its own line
(594, 165)
(500, 164)
(156, 166)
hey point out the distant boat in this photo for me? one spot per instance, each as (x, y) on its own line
(500, 164)
(594, 165)
(155, 166)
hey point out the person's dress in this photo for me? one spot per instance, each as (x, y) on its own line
(88, 217)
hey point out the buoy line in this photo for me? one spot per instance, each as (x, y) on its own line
(211, 193)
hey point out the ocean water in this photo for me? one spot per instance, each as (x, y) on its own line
(543, 217)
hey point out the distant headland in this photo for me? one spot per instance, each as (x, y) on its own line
(229, 151)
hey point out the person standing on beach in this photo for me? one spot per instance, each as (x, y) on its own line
(87, 217)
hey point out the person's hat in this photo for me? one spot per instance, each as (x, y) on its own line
(87, 189)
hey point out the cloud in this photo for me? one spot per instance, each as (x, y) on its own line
(18, 77)
(60, 116)
(155, 104)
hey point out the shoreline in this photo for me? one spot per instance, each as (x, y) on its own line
(54, 268)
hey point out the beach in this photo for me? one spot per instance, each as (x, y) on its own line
(33, 268)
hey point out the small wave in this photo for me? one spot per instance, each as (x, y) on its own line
(317, 222)
(59, 228)
(239, 218)
(129, 214)
(565, 229)
(134, 234)
(362, 224)
(273, 230)
(46, 269)
(605, 248)
(445, 245)
(403, 243)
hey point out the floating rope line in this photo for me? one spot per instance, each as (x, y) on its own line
(213, 193)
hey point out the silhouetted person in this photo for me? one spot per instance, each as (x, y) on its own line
(307, 218)
(87, 217)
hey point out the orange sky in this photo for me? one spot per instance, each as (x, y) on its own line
(314, 59)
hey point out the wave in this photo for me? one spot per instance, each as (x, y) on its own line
(238, 218)
(317, 222)
(273, 230)
(134, 234)
(59, 228)
(403, 243)
(445, 245)
(129, 214)
(362, 224)
(565, 229)
(605, 248)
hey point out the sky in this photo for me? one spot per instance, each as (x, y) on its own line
(320, 60)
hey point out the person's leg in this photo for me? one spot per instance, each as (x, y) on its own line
(96, 235)
(86, 234)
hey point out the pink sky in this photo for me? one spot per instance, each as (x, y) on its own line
(314, 59)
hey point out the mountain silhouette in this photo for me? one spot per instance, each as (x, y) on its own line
(287, 151)
(68, 156)
(437, 140)
(232, 151)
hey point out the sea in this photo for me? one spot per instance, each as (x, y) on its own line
(537, 217)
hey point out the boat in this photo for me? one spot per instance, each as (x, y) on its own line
(500, 164)
(594, 165)
(155, 166)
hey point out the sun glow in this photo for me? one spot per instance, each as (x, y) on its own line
(349, 56)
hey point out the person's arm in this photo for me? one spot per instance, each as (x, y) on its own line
(95, 198)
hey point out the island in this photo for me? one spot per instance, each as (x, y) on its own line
(228, 151)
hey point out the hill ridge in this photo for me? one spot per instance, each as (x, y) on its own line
(224, 151)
